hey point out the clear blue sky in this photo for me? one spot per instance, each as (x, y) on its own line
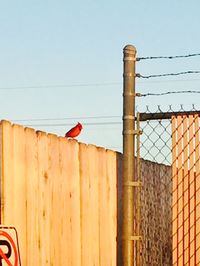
(48, 44)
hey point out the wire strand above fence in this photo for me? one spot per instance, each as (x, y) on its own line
(167, 74)
(167, 57)
(166, 93)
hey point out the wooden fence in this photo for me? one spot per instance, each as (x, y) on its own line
(61, 196)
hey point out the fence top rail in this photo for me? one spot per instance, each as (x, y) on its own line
(165, 115)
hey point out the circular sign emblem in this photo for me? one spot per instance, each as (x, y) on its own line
(9, 254)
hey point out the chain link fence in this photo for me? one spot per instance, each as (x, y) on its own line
(154, 211)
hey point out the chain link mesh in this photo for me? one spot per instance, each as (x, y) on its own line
(155, 153)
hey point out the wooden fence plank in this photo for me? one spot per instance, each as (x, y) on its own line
(94, 203)
(20, 191)
(66, 237)
(103, 209)
(31, 157)
(54, 200)
(107, 206)
(7, 185)
(111, 165)
(74, 201)
(43, 196)
(86, 218)
(89, 205)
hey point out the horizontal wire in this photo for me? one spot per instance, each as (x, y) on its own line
(168, 74)
(64, 125)
(167, 57)
(167, 81)
(66, 118)
(94, 84)
(167, 93)
(62, 86)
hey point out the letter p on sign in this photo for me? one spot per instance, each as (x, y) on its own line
(9, 247)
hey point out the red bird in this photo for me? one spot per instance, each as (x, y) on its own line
(74, 132)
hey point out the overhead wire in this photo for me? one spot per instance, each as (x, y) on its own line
(94, 85)
(62, 86)
(70, 124)
(66, 118)
(111, 83)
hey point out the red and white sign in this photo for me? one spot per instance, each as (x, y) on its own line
(9, 247)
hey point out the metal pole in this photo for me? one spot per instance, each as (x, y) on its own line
(128, 154)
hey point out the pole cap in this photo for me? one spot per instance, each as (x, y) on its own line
(130, 49)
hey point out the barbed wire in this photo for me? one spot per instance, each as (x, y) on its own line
(166, 93)
(167, 57)
(167, 74)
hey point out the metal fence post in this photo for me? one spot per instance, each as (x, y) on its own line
(128, 154)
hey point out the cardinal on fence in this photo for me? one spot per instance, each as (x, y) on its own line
(75, 131)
